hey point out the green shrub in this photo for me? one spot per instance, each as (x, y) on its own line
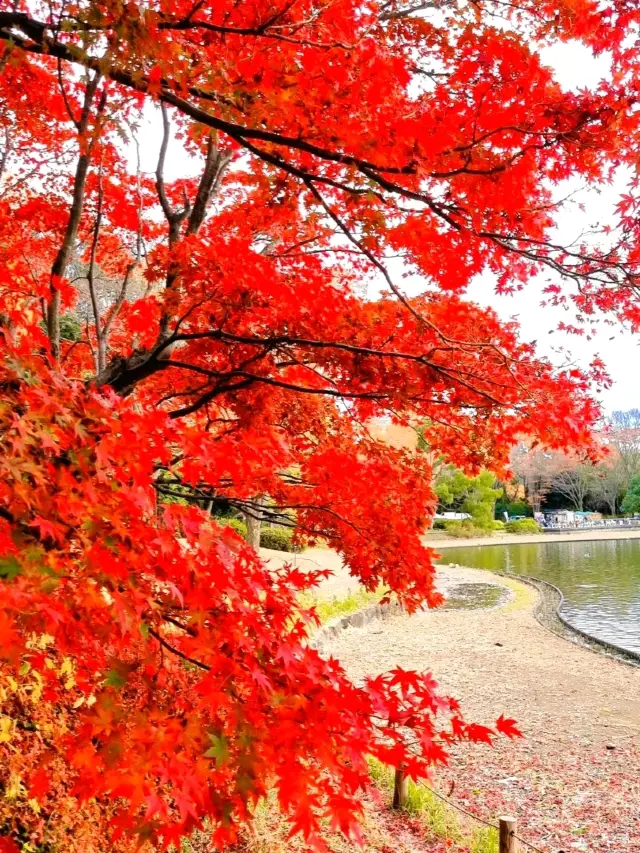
(174, 493)
(70, 327)
(631, 502)
(236, 524)
(464, 529)
(451, 525)
(332, 608)
(277, 538)
(497, 525)
(523, 525)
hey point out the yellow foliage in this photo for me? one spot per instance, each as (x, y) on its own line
(6, 729)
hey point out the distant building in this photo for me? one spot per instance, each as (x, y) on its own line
(559, 516)
(568, 517)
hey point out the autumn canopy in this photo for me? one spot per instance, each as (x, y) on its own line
(206, 212)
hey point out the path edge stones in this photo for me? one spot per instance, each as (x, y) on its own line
(357, 619)
(547, 612)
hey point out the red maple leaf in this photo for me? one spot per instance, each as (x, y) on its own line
(507, 726)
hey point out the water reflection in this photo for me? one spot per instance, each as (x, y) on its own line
(600, 580)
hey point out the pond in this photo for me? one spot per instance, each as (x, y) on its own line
(600, 580)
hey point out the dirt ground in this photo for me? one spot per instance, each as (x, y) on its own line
(574, 780)
(531, 672)
(339, 584)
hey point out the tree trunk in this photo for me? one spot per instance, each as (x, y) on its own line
(64, 254)
(253, 524)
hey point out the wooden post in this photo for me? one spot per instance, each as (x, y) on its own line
(400, 789)
(508, 840)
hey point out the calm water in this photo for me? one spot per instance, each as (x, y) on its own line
(600, 580)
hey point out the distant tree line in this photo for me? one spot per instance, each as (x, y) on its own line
(555, 479)
(551, 479)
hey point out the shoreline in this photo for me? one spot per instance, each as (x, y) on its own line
(548, 612)
(531, 538)
(340, 584)
(573, 777)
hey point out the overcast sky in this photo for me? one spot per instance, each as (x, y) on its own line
(575, 68)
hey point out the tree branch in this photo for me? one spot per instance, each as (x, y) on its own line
(75, 214)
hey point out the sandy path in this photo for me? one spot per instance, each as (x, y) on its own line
(569, 791)
(338, 585)
(531, 673)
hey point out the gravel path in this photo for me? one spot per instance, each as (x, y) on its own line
(574, 781)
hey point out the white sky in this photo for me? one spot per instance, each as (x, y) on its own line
(575, 68)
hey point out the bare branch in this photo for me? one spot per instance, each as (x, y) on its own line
(5, 152)
(393, 14)
(136, 261)
(173, 217)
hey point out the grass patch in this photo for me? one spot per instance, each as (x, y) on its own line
(267, 833)
(437, 816)
(442, 821)
(523, 594)
(270, 833)
(329, 609)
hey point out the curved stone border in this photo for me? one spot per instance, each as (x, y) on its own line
(357, 619)
(360, 618)
(548, 613)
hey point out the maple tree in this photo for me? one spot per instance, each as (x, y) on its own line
(154, 672)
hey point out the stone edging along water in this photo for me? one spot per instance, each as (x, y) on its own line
(358, 619)
(548, 613)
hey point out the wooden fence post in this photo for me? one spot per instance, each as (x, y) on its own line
(508, 840)
(400, 789)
